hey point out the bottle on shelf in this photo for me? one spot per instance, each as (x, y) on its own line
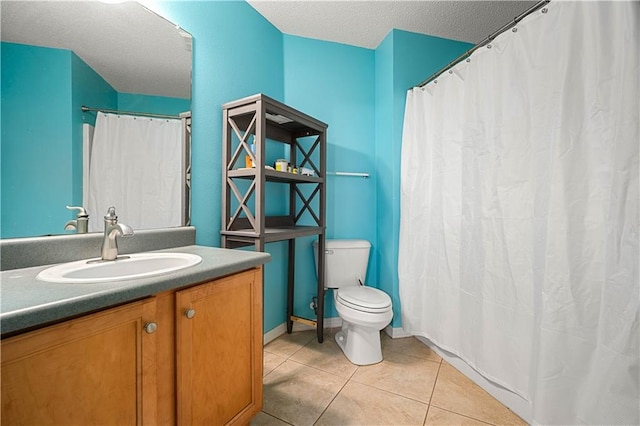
(247, 159)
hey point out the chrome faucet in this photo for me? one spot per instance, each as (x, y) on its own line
(81, 223)
(113, 229)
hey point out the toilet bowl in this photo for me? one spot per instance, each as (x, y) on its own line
(364, 310)
(362, 321)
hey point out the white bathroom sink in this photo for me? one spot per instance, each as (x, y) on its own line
(126, 267)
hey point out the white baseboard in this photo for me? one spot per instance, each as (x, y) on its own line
(281, 329)
(396, 333)
(274, 333)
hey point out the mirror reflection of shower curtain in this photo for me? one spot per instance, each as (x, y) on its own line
(136, 166)
(87, 144)
(519, 220)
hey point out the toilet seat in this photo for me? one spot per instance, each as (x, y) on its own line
(364, 299)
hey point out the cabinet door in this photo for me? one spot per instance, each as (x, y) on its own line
(219, 350)
(94, 370)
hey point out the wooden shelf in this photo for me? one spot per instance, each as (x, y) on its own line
(297, 123)
(277, 234)
(274, 176)
(244, 221)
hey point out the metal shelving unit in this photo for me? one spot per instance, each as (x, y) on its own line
(244, 221)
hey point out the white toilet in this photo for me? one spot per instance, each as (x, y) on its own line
(364, 310)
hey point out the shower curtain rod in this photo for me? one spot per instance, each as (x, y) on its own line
(484, 42)
(142, 114)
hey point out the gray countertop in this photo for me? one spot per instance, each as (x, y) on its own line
(27, 302)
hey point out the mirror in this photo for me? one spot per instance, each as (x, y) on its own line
(58, 56)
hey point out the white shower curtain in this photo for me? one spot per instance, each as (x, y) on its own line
(136, 166)
(519, 212)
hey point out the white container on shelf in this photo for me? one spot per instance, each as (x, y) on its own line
(282, 165)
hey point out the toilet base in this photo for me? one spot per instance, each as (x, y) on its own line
(361, 345)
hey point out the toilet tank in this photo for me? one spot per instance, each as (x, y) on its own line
(345, 262)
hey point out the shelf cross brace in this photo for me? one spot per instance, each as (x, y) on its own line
(307, 155)
(243, 204)
(307, 205)
(243, 141)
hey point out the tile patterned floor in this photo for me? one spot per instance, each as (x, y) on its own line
(308, 383)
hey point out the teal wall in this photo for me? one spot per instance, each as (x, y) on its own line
(402, 60)
(334, 83)
(384, 111)
(36, 99)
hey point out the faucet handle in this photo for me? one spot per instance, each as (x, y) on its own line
(111, 214)
(81, 211)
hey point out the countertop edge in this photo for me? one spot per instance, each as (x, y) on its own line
(216, 263)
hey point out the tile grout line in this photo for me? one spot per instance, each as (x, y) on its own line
(455, 412)
(416, 357)
(392, 392)
(316, 368)
(286, 358)
(439, 362)
(274, 368)
(433, 390)
(464, 415)
(320, 369)
(276, 417)
(336, 395)
(401, 395)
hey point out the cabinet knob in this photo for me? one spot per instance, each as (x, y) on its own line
(150, 327)
(190, 313)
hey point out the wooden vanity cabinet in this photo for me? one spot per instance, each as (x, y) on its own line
(98, 369)
(187, 357)
(219, 351)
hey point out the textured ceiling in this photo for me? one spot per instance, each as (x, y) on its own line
(133, 49)
(136, 51)
(365, 23)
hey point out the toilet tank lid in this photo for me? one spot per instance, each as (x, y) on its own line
(344, 244)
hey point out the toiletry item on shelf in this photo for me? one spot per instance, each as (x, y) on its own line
(247, 159)
(281, 165)
(306, 172)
